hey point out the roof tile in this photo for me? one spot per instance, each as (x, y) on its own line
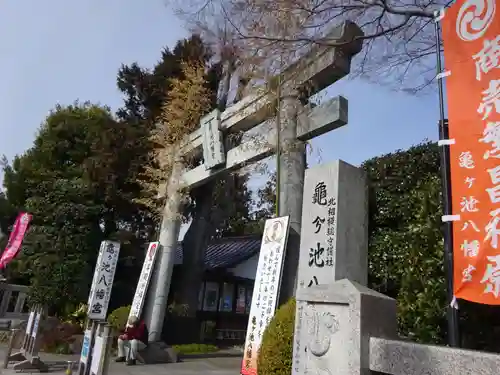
(226, 252)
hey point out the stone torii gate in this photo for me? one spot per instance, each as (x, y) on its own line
(320, 67)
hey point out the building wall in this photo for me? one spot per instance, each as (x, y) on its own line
(247, 269)
(223, 307)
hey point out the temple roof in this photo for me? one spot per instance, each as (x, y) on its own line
(227, 252)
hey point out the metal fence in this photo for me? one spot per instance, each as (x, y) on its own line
(13, 302)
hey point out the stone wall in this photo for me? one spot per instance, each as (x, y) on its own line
(52, 333)
(351, 330)
(398, 357)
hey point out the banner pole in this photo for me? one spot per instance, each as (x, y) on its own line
(452, 311)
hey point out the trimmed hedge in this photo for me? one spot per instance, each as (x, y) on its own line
(118, 318)
(276, 348)
(195, 348)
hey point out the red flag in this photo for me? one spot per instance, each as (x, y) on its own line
(15, 239)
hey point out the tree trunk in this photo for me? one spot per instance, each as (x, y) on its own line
(193, 248)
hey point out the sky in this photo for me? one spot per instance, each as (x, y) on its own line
(58, 51)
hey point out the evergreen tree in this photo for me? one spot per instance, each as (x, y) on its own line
(76, 183)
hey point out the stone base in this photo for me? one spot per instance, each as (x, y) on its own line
(157, 352)
(34, 364)
(16, 357)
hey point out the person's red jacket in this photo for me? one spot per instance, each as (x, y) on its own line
(137, 333)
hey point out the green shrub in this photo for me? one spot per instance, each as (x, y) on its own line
(276, 349)
(118, 318)
(78, 316)
(63, 348)
(4, 337)
(177, 309)
(195, 348)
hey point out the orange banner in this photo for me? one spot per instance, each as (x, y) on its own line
(471, 37)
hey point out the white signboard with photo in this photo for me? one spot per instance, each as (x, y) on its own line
(266, 288)
(104, 275)
(142, 284)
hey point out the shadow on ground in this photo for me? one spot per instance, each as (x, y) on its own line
(221, 354)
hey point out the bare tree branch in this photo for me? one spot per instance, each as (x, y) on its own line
(398, 38)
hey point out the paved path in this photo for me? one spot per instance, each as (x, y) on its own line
(189, 366)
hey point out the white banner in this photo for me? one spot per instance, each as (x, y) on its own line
(104, 275)
(266, 289)
(142, 284)
(94, 279)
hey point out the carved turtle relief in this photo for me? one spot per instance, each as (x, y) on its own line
(321, 326)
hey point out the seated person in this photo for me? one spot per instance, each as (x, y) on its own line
(134, 338)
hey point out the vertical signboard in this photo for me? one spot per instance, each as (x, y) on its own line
(30, 321)
(94, 278)
(96, 363)
(104, 275)
(142, 284)
(471, 38)
(36, 324)
(266, 289)
(213, 147)
(87, 338)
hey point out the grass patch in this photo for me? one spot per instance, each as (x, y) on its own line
(195, 348)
